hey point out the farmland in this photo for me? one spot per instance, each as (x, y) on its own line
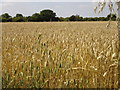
(59, 55)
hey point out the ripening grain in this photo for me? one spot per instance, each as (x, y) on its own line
(59, 54)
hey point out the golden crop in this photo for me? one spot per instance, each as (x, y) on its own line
(59, 55)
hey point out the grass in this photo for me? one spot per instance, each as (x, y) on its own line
(59, 55)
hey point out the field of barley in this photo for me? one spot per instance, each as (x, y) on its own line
(59, 55)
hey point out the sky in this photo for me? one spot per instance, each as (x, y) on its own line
(55, 0)
(49, 0)
(63, 8)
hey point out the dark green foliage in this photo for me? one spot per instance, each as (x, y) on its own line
(29, 18)
(19, 18)
(95, 19)
(35, 18)
(61, 19)
(0, 19)
(56, 19)
(19, 15)
(112, 17)
(75, 18)
(6, 15)
(49, 15)
(72, 18)
(64, 19)
(5, 18)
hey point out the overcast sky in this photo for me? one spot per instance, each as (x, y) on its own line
(49, 0)
(55, 0)
(63, 8)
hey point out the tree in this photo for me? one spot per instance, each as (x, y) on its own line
(6, 17)
(29, 18)
(56, 19)
(18, 18)
(112, 17)
(35, 17)
(75, 18)
(0, 19)
(19, 15)
(47, 15)
(72, 18)
(78, 18)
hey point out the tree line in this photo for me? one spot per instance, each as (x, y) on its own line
(49, 15)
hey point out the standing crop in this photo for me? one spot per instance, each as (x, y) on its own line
(55, 55)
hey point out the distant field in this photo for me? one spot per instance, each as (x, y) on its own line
(59, 55)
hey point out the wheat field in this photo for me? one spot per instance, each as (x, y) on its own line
(59, 55)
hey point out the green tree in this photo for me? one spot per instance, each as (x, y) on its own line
(36, 17)
(6, 17)
(19, 15)
(48, 15)
(72, 18)
(112, 17)
(29, 18)
(61, 19)
(19, 18)
(0, 19)
(78, 18)
(75, 18)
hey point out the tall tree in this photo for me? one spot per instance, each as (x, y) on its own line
(19, 15)
(72, 18)
(6, 17)
(18, 18)
(36, 17)
(48, 15)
